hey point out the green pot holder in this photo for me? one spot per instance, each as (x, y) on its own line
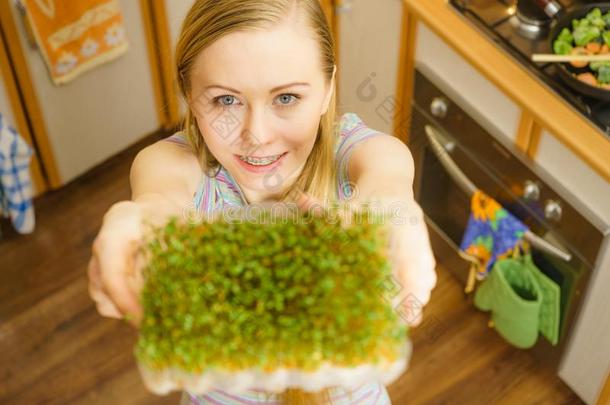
(514, 298)
(522, 301)
(551, 300)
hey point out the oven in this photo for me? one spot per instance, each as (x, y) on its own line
(452, 153)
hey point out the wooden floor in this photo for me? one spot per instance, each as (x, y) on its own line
(56, 349)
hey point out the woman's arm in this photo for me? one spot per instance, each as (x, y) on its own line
(382, 169)
(163, 179)
(381, 166)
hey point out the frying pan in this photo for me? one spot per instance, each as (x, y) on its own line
(567, 71)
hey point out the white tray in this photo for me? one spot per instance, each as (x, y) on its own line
(326, 376)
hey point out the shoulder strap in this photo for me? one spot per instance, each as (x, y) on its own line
(178, 138)
(213, 193)
(352, 130)
(216, 193)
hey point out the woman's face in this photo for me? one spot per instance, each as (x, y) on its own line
(258, 97)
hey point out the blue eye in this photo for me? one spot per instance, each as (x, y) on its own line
(225, 101)
(286, 98)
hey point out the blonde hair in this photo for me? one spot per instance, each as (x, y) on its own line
(208, 21)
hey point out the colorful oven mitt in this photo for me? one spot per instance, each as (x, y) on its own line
(491, 233)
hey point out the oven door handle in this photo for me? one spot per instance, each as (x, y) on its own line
(469, 188)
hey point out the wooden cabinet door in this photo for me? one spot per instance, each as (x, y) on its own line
(14, 114)
(329, 9)
(80, 124)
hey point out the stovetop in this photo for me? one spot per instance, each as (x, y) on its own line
(498, 19)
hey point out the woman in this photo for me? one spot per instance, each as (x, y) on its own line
(259, 80)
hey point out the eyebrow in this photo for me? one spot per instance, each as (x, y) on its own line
(273, 90)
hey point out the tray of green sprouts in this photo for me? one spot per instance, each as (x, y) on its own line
(269, 299)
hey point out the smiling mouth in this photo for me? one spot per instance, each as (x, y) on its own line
(261, 161)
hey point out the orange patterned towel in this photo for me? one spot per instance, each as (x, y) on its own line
(75, 36)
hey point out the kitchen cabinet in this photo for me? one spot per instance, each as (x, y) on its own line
(585, 364)
(84, 122)
(6, 108)
(575, 175)
(501, 116)
(532, 95)
(14, 116)
(497, 113)
(176, 11)
(552, 137)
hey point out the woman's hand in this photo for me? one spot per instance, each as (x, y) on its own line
(411, 257)
(115, 268)
(410, 253)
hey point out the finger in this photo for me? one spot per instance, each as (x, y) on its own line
(419, 276)
(418, 320)
(95, 279)
(309, 203)
(93, 273)
(103, 303)
(114, 273)
(96, 291)
(412, 255)
(414, 289)
(413, 304)
(106, 308)
(135, 281)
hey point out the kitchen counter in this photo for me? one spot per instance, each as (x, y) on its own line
(549, 110)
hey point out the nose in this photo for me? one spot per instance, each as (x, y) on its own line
(257, 131)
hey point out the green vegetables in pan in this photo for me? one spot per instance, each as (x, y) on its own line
(589, 36)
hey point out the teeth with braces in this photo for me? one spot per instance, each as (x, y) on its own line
(260, 161)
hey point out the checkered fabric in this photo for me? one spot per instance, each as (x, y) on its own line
(15, 181)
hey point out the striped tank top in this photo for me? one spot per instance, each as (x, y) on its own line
(222, 191)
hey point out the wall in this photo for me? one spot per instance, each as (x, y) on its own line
(369, 35)
(104, 110)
